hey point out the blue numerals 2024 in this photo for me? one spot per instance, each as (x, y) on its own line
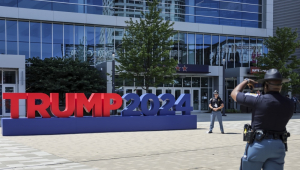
(183, 104)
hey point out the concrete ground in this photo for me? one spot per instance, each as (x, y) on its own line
(171, 150)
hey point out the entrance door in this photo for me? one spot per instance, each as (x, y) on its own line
(6, 102)
(196, 99)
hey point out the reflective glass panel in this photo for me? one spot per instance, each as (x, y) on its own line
(2, 30)
(69, 41)
(47, 33)
(178, 82)
(187, 82)
(2, 47)
(245, 57)
(182, 48)
(207, 49)
(2, 36)
(100, 44)
(79, 42)
(46, 40)
(253, 51)
(96, 8)
(9, 77)
(191, 46)
(57, 40)
(231, 52)
(204, 81)
(35, 39)
(195, 81)
(196, 99)
(11, 28)
(23, 31)
(34, 4)
(174, 47)
(24, 38)
(47, 50)
(24, 49)
(259, 47)
(109, 42)
(12, 47)
(11, 3)
(89, 44)
(238, 48)
(35, 32)
(69, 6)
(199, 49)
(224, 50)
(204, 99)
(215, 54)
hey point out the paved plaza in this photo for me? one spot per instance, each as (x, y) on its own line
(165, 150)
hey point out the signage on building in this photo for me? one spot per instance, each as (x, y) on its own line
(191, 68)
(136, 116)
(256, 70)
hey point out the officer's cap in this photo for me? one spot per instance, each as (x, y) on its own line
(273, 74)
(216, 92)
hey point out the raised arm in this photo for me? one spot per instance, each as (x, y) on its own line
(241, 87)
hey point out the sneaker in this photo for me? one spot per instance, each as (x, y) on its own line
(224, 115)
(209, 131)
(222, 132)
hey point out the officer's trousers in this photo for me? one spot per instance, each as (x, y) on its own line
(212, 120)
(267, 154)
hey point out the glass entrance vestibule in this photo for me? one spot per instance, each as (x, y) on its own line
(8, 84)
(199, 88)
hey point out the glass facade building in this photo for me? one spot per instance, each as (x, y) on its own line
(242, 13)
(96, 44)
(214, 33)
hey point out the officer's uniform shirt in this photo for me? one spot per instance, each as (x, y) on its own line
(271, 111)
(216, 102)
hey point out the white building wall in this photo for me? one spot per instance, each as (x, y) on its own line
(16, 62)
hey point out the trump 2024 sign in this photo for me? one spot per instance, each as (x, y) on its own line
(136, 116)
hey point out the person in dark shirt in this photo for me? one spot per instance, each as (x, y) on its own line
(270, 115)
(216, 104)
(295, 100)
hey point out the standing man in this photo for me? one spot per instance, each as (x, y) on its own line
(295, 100)
(271, 112)
(216, 104)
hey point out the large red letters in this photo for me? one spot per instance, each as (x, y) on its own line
(70, 105)
(14, 103)
(99, 103)
(83, 103)
(41, 109)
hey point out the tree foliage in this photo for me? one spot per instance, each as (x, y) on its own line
(146, 47)
(58, 75)
(281, 56)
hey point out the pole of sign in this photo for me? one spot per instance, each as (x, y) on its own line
(113, 77)
(224, 89)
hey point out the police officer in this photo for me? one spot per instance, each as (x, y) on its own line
(270, 115)
(216, 105)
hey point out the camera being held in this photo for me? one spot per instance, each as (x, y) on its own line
(266, 137)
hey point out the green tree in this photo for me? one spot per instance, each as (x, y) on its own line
(145, 49)
(58, 75)
(282, 47)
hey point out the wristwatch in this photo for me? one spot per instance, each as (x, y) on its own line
(248, 81)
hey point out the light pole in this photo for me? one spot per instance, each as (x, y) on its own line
(113, 77)
(224, 89)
